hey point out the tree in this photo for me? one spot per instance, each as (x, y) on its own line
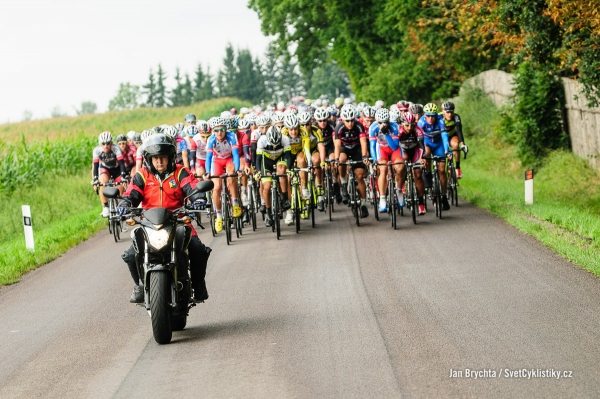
(87, 107)
(207, 90)
(226, 78)
(198, 84)
(177, 93)
(150, 90)
(127, 97)
(330, 80)
(188, 91)
(161, 91)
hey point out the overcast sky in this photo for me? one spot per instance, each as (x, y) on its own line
(63, 52)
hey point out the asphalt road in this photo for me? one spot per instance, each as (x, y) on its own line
(334, 312)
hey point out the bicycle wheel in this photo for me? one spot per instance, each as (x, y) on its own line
(355, 201)
(296, 207)
(454, 185)
(251, 207)
(312, 204)
(329, 195)
(374, 197)
(226, 215)
(392, 202)
(412, 197)
(438, 196)
(276, 212)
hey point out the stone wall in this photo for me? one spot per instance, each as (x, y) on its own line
(583, 122)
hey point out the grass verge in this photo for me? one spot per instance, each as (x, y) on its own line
(565, 215)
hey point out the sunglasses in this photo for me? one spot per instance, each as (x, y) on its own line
(348, 120)
(107, 143)
(219, 129)
(430, 116)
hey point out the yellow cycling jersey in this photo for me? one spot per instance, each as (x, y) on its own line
(301, 142)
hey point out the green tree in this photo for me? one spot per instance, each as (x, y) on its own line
(161, 91)
(87, 107)
(149, 90)
(330, 80)
(188, 91)
(177, 93)
(127, 97)
(226, 79)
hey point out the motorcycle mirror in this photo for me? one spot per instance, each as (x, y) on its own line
(205, 186)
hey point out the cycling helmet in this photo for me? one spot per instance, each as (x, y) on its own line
(409, 118)
(244, 124)
(290, 121)
(263, 120)
(333, 111)
(293, 109)
(369, 112)
(308, 101)
(339, 102)
(379, 104)
(105, 137)
(318, 103)
(191, 130)
(244, 111)
(251, 117)
(145, 135)
(321, 114)
(179, 126)
(202, 125)
(304, 117)
(347, 101)
(232, 123)
(217, 121)
(348, 112)
(226, 114)
(274, 136)
(159, 144)
(394, 115)
(416, 109)
(430, 109)
(402, 105)
(382, 115)
(448, 106)
(131, 134)
(277, 117)
(325, 102)
(121, 137)
(190, 118)
(137, 138)
(170, 131)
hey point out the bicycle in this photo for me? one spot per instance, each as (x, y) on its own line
(329, 191)
(226, 206)
(112, 194)
(412, 201)
(436, 187)
(276, 203)
(452, 186)
(392, 196)
(354, 201)
(253, 200)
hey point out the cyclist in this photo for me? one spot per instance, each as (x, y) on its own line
(180, 145)
(436, 144)
(162, 183)
(273, 153)
(190, 119)
(384, 148)
(367, 118)
(222, 157)
(416, 110)
(243, 137)
(327, 129)
(453, 125)
(107, 163)
(318, 154)
(350, 142)
(128, 151)
(188, 135)
(201, 140)
(411, 145)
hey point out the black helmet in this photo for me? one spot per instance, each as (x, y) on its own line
(159, 144)
(448, 106)
(121, 137)
(190, 118)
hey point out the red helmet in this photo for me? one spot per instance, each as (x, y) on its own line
(402, 106)
(409, 118)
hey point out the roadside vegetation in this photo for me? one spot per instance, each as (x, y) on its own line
(47, 164)
(565, 215)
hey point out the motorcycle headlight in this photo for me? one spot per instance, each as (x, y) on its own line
(158, 238)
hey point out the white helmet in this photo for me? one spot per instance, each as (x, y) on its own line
(304, 117)
(379, 104)
(394, 115)
(263, 120)
(321, 114)
(226, 115)
(348, 112)
(277, 117)
(105, 137)
(145, 134)
(170, 131)
(290, 121)
(217, 121)
(347, 100)
(243, 124)
(274, 136)
(382, 115)
(131, 135)
(202, 125)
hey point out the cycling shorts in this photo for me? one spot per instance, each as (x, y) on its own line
(412, 155)
(386, 154)
(220, 165)
(437, 149)
(112, 172)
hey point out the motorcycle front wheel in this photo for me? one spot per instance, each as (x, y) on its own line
(159, 307)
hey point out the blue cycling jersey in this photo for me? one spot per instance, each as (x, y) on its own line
(435, 133)
(378, 139)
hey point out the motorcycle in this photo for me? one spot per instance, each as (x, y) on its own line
(160, 240)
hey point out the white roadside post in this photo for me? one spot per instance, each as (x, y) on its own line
(28, 227)
(529, 187)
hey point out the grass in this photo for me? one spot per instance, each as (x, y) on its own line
(565, 215)
(65, 210)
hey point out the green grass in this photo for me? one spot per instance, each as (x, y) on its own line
(47, 165)
(565, 215)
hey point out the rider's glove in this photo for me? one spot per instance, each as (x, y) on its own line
(449, 155)
(257, 176)
(464, 148)
(323, 165)
(124, 207)
(199, 204)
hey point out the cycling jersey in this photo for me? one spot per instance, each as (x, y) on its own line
(200, 147)
(350, 137)
(222, 150)
(110, 162)
(435, 134)
(244, 143)
(301, 142)
(454, 127)
(280, 152)
(181, 146)
(383, 139)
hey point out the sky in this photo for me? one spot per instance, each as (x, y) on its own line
(59, 53)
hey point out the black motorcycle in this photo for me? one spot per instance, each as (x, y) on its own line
(161, 241)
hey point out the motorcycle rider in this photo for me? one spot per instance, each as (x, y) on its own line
(163, 183)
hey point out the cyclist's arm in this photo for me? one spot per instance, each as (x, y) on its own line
(135, 190)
